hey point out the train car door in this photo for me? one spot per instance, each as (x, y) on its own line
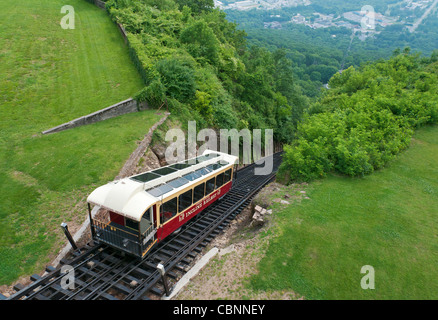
(147, 220)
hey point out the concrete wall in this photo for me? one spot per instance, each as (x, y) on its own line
(127, 106)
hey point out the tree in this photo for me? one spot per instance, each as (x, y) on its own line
(202, 103)
(197, 6)
(178, 79)
(201, 41)
(283, 75)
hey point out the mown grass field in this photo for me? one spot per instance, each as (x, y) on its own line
(387, 220)
(49, 76)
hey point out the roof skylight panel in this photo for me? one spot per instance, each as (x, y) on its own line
(146, 177)
(160, 190)
(176, 183)
(164, 171)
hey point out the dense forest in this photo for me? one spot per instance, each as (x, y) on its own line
(317, 54)
(192, 57)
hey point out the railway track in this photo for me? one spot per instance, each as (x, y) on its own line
(102, 273)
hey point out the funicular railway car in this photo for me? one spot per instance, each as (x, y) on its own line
(135, 213)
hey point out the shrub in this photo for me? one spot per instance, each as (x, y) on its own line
(201, 42)
(202, 103)
(306, 160)
(154, 94)
(178, 77)
(365, 119)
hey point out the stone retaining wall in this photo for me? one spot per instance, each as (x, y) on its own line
(127, 106)
(100, 4)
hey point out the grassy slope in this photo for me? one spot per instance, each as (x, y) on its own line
(387, 220)
(50, 76)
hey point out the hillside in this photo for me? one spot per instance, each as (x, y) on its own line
(386, 220)
(370, 132)
(190, 56)
(315, 246)
(365, 118)
(50, 76)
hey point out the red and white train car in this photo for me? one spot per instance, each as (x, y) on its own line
(135, 213)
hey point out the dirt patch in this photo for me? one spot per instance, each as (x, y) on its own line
(24, 178)
(147, 162)
(131, 164)
(241, 247)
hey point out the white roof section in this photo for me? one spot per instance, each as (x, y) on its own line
(130, 197)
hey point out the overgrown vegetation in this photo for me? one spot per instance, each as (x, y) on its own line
(366, 118)
(191, 56)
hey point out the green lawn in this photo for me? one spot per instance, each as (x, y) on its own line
(387, 220)
(50, 76)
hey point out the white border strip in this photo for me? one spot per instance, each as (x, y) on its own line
(191, 273)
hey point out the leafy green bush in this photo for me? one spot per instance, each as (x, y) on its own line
(306, 160)
(201, 42)
(154, 94)
(178, 77)
(365, 119)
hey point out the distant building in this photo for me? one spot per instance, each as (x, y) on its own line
(219, 4)
(272, 25)
(298, 19)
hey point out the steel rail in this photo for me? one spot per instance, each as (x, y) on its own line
(53, 276)
(171, 262)
(112, 269)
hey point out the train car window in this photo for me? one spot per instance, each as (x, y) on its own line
(206, 157)
(168, 210)
(131, 224)
(202, 171)
(198, 193)
(219, 180)
(227, 176)
(210, 186)
(185, 200)
(214, 166)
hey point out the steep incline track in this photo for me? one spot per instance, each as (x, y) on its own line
(101, 273)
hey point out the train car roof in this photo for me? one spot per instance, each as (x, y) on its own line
(133, 195)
